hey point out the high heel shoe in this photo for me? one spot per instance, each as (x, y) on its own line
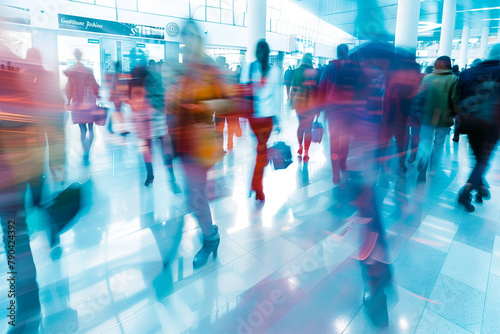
(210, 245)
(149, 180)
(259, 195)
(150, 177)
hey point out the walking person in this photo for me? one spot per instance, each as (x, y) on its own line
(147, 100)
(196, 99)
(32, 118)
(437, 106)
(265, 83)
(288, 81)
(304, 95)
(334, 93)
(82, 92)
(479, 100)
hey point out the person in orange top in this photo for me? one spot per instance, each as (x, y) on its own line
(196, 99)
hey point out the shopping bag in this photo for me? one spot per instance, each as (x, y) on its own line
(206, 144)
(64, 207)
(317, 131)
(280, 155)
(99, 115)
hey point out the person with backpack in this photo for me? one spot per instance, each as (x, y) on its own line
(304, 94)
(479, 101)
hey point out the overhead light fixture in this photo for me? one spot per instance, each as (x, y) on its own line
(497, 19)
(427, 26)
(477, 9)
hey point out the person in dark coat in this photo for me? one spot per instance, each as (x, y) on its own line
(479, 101)
(334, 95)
(288, 81)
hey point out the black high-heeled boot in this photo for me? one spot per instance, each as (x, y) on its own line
(210, 245)
(150, 177)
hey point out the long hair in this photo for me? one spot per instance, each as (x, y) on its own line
(262, 52)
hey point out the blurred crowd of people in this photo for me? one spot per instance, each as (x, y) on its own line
(368, 96)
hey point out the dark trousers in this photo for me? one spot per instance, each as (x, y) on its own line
(262, 128)
(482, 138)
(339, 139)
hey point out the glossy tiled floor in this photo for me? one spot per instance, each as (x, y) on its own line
(282, 266)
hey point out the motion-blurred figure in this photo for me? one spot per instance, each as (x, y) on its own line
(265, 83)
(198, 97)
(288, 81)
(82, 92)
(479, 98)
(233, 121)
(403, 82)
(436, 106)
(304, 95)
(335, 93)
(31, 111)
(368, 64)
(147, 100)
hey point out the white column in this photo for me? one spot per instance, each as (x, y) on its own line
(498, 36)
(485, 35)
(256, 26)
(464, 47)
(408, 17)
(448, 27)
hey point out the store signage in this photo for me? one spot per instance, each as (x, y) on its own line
(172, 29)
(141, 45)
(93, 41)
(109, 27)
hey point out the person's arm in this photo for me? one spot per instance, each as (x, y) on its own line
(70, 86)
(94, 85)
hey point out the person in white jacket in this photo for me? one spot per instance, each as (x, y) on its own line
(265, 82)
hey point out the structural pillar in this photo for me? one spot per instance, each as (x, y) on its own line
(448, 27)
(408, 17)
(464, 47)
(498, 35)
(256, 26)
(485, 35)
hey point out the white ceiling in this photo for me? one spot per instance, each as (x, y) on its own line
(357, 17)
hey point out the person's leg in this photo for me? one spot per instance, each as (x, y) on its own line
(458, 123)
(83, 136)
(335, 141)
(262, 128)
(230, 131)
(300, 133)
(307, 126)
(91, 134)
(196, 178)
(424, 149)
(437, 149)
(401, 134)
(148, 160)
(168, 162)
